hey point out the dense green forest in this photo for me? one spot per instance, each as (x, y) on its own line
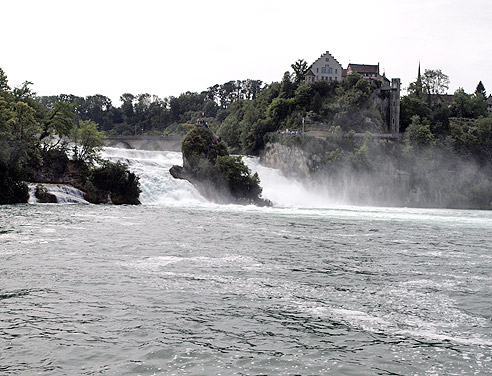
(442, 137)
(244, 112)
(45, 144)
(149, 114)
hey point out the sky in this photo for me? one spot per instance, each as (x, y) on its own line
(166, 48)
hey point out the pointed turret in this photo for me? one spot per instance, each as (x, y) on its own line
(418, 84)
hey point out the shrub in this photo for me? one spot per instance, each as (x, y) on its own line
(115, 178)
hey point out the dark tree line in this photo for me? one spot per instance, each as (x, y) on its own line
(145, 113)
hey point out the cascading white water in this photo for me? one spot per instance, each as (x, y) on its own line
(65, 194)
(286, 191)
(160, 188)
(157, 184)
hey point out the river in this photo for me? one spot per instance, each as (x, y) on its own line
(181, 286)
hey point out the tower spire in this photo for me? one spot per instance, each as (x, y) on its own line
(418, 84)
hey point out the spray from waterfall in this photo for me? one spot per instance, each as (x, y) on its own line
(160, 188)
(286, 191)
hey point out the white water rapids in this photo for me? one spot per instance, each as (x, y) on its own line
(160, 188)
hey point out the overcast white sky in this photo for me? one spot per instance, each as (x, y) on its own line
(165, 48)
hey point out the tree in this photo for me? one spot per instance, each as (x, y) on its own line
(481, 90)
(3, 81)
(58, 123)
(411, 105)
(88, 141)
(419, 134)
(435, 82)
(97, 108)
(287, 87)
(115, 178)
(300, 68)
(253, 88)
(303, 96)
(467, 105)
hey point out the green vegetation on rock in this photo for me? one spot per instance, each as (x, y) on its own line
(219, 176)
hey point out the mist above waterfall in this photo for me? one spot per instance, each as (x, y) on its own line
(286, 191)
(429, 183)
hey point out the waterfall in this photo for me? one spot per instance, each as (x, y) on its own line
(286, 191)
(160, 188)
(65, 194)
(157, 184)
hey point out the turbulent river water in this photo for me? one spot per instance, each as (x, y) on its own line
(180, 286)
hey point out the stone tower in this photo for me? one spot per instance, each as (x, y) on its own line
(394, 125)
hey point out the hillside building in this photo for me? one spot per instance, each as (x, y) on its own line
(367, 71)
(326, 68)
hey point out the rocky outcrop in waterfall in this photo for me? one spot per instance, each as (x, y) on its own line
(218, 176)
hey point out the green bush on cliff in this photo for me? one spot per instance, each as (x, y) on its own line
(116, 179)
(207, 160)
(201, 144)
(238, 177)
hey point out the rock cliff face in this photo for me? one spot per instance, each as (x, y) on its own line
(291, 160)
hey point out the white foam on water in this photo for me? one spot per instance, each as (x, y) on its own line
(157, 184)
(65, 194)
(32, 194)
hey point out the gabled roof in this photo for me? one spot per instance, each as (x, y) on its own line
(363, 68)
(324, 55)
(309, 73)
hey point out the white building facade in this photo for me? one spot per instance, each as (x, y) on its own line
(326, 68)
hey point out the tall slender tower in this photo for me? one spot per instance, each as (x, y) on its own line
(418, 84)
(394, 125)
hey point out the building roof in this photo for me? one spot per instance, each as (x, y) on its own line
(363, 68)
(489, 99)
(309, 73)
(324, 55)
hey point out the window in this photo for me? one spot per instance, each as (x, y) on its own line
(317, 70)
(330, 70)
(336, 71)
(326, 59)
(330, 78)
